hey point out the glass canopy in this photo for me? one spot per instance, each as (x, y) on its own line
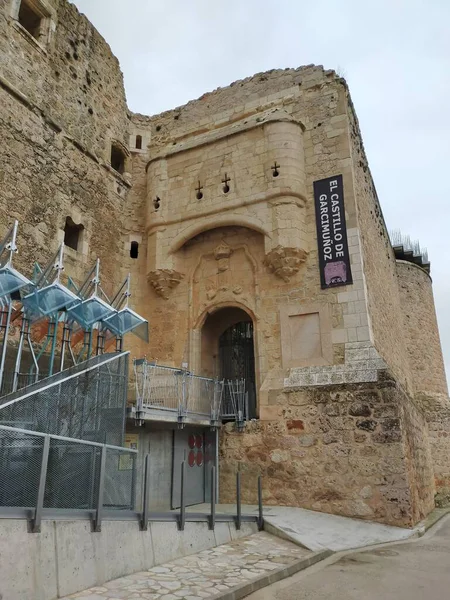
(11, 281)
(50, 299)
(127, 320)
(91, 311)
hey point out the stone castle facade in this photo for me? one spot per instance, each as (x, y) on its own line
(211, 208)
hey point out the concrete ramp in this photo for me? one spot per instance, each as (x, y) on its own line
(320, 531)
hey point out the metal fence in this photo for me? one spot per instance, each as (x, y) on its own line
(177, 390)
(86, 402)
(44, 476)
(23, 381)
(235, 402)
(41, 471)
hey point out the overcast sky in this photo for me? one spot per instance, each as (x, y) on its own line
(395, 55)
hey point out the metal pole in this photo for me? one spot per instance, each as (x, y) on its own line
(5, 341)
(260, 504)
(182, 517)
(217, 465)
(101, 489)
(53, 324)
(33, 356)
(23, 332)
(238, 501)
(36, 522)
(146, 494)
(212, 518)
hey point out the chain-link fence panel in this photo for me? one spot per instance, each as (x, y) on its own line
(72, 475)
(85, 402)
(20, 468)
(120, 478)
(73, 472)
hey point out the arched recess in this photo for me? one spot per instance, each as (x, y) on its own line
(215, 222)
(228, 351)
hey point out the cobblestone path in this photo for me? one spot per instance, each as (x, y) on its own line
(202, 575)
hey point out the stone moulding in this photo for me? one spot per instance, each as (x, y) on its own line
(164, 280)
(285, 262)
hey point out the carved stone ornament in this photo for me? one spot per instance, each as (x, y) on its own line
(285, 262)
(222, 254)
(164, 280)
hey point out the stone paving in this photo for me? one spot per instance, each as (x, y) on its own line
(202, 575)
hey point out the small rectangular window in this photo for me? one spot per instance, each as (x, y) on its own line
(117, 159)
(30, 19)
(134, 250)
(72, 234)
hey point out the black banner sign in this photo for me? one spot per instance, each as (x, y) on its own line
(334, 259)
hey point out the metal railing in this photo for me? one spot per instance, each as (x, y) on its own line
(235, 403)
(45, 476)
(177, 390)
(85, 402)
(41, 471)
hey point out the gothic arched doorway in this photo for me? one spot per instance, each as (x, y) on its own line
(228, 352)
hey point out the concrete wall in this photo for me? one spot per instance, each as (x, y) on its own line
(67, 557)
(159, 445)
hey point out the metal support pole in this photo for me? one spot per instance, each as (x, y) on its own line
(23, 334)
(5, 340)
(119, 343)
(182, 517)
(101, 489)
(65, 343)
(53, 331)
(212, 518)
(238, 501)
(260, 504)
(146, 494)
(100, 343)
(36, 522)
(33, 356)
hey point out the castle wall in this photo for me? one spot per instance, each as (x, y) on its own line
(63, 103)
(358, 450)
(336, 369)
(378, 263)
(421, 329)
(70, 74)
(317, 352)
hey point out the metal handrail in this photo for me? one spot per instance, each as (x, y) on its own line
(65, 439)
(169, 388)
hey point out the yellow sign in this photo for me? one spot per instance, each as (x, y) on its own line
(125, 459)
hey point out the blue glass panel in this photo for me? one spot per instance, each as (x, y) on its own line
(127, 320)
(91, 311)
(11, 281)
(49, 299)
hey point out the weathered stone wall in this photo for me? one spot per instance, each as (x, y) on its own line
(356, 450)
(437, 410)
(378, 262)
(63, 103)
(72, 76)
(234, 122)
(421, 329)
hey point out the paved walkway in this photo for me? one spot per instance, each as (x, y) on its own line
(203, 575)
(415, 570)
(318, 531)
